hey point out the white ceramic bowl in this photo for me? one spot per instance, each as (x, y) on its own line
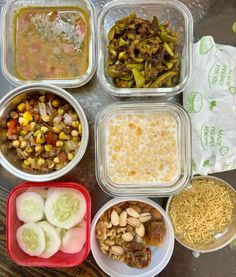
(222, 240)
(160, 256)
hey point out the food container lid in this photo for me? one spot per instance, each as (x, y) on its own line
(59, 259)
(173, 11)
(8, 12)
(109, 120)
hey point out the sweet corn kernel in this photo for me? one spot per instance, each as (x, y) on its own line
(61, 111)
(46, 118)
(75, 124)
(8, 124)
(70, 156)
(30, 160)
(55, 103)
(63, 136)
(16, 143)
(21, 138)
(25, 153)
(48, 147)
(56, 129)
(44, 129)
(32, 125)
(23, 144)
(56, 160)
(41, 162)
(26, 163)
(21, 107)
(51, 165)
(28, 149)
(80, 129)
(42, 98)
(23, 121)
(38, 148)
(79, 143)
(74, 133)
(59, 143)
(23, 133)
(28, 116)
(40, 138)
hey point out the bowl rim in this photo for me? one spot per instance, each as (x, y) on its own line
(47, 185)
(137, 92)
(150, 202)
(85, 133)
(195, 250)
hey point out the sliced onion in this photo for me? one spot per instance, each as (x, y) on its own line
(42, 109)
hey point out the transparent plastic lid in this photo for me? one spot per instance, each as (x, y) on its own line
(10, 39)
(143, 148)
(179, 18)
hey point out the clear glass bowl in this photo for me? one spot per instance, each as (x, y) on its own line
(7, 23)
(145, 188)
(173, 11)
(221, 239)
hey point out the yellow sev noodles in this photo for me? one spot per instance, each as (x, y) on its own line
(201, 211)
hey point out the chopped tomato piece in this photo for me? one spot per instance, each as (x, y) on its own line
(62, 156)
(12, 129)
(51, 138)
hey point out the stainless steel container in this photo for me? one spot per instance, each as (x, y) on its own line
(7, 157)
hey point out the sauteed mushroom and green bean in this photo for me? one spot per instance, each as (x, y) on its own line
(143, 53)
(45, 132)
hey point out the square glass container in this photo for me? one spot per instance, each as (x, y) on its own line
(131, 161)
(59, 259)
(11, 8)
(173, 11)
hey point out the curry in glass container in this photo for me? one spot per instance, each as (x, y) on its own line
(51, 43)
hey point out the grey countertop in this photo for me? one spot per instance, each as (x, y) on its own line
(210, 18)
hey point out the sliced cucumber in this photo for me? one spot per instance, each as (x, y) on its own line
(61, 232)
(30, 238)
(52, 239)
(40, 191)
(73, 240)
(30, 207)
(65, 207)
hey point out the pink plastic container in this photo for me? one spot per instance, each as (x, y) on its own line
(60, 259)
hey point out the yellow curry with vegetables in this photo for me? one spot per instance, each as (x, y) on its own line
(51, 43)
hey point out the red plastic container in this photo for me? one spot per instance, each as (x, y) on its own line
(60, 259)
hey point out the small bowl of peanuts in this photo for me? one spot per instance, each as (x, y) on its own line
(132, 237)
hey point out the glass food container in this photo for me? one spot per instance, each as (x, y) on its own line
(11, 8)
(179, 17)
(143, 149)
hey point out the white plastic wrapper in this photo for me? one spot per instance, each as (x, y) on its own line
(210, 100)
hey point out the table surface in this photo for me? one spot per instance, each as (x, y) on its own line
(210, 18)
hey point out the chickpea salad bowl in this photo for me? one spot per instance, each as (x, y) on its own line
(44, 132)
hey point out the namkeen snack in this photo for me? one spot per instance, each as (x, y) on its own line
(143, 53)
(45, 132)
(202, 211)
(127, 230)
(51, 42)
(141, 148)
(55, 222)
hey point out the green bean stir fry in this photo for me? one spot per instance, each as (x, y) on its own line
(45, 131)
(142, 53)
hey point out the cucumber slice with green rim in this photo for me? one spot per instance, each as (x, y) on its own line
(52, 239)
(30, 207)
(65, 207)
(30, 238)
(73, 240)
